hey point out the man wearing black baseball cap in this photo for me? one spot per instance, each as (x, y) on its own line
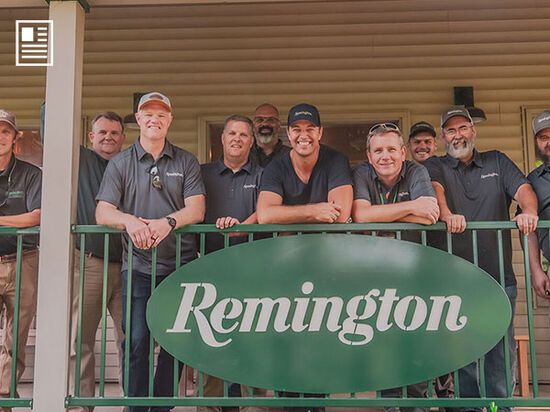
(311, 183)
(479, 186)
(422, 143)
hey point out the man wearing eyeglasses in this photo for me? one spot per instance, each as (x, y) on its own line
(479, 186)
(20, 197)
(267, 146)
(150, 189)
(540, 179)
(107, 137)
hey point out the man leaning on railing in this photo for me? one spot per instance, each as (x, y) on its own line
(19, 207)
(479, 186)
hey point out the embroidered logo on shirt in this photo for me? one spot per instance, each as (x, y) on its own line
(401, 194)
(16, 194)
(174, 174)
(249, 186)
(489, 175)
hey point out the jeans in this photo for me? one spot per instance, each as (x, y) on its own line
(495, 370)
(138, 385)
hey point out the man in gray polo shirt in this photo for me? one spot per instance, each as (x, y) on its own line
(107, 136)
(150, 189)
(388, 188)
(472, 185)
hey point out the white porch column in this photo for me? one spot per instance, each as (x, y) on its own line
(62, 125)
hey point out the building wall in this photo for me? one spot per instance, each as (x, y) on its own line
(357, 60)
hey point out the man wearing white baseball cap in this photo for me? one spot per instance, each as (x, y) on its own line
(150, 189)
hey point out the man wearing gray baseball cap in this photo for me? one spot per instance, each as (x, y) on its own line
(20, 198)
(540, 180)
(479, 186)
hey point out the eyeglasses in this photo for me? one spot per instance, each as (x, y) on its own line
(543, 137)
(388, 126)
(157, 184)
(454, 132)
(260, 119)
(9, 184)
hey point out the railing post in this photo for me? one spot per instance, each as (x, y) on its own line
(63, 104)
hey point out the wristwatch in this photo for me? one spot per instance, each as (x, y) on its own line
(171, 221)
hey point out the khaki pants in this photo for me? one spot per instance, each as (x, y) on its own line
(27, 310)
(213, 387)
(91, 316)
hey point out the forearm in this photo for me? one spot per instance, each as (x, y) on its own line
(108, 215)
(192, 213)
(286, 214)
(415, 219)
(22, 220)
(527, 199)
(534, 252)
(382, 213)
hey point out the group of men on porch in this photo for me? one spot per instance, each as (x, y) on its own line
(154, 187)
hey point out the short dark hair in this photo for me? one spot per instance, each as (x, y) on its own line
(239, 118)
(109, 116)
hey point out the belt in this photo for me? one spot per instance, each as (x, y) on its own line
(12, 257)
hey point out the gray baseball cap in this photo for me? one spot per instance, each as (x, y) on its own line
(9, 118)
(454, 111)
(155, 97)
(541, 121)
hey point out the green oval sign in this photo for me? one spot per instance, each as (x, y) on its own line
(328, 313)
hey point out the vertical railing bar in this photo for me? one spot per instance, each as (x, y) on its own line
(474, 247)
(151, 339)
(352, 395)
(201, 381)
(423, 237)
(104, 317)
(530, 323)
(378, 394)
(505, 337)
(430, 388)
(456, 383)
(274, 234)
(449, 243)
(128, 328)
(398, 235)
(15, 331)
(250, 236)
(80, 315)
(226, 240)
(404, 392)
(482, 383)
(225, 389)
(201, 244)
(176, 362)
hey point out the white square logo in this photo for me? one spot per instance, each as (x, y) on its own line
(34, 43)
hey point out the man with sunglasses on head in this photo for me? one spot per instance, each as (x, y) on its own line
(479, 186)
(150, 189)
(267, 146)
(107, 137)
(20, 197)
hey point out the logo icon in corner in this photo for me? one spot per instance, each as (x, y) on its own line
(34, 43)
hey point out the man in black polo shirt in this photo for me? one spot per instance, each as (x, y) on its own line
(388, 188)
(540, 179)
(150, 189)
(311, 183)
(472, 185)
(232, 184)
(107, 136)
(20, 184)
(267, 146)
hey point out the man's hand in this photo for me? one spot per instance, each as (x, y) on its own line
(426, 206)
(139, 232)
(225, 222)
(455, 223)
(326, 212)
(158, 229)
(540, 282)
(527, 222)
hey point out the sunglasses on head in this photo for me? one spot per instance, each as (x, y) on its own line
(388, 126)
(157, 184)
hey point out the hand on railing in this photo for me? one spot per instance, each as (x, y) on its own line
(326, 212)
(159, 229)
(426, 207)
(527, 222)
(226, 222)
(139, 232)
(455, 223)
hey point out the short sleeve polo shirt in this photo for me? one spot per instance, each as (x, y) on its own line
(481, 191)
(20, 192)
(330, 171)
(127, 184)
(540, 180)
(258, 156)
(90, 173)
(229, 193)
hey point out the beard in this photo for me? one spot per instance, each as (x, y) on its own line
(265, 134)
(461, 152)
(543, 156)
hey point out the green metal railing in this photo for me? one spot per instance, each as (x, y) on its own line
(13, 400)
(349, 401)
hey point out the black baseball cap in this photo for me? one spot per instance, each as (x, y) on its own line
(304, 111)
(420, 127)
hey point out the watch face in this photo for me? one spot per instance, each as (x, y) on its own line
(171, 221)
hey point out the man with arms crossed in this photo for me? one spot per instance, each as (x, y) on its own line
(20, 184)
(232, 184)
(267, 146)
(470, 186)
(150, 189)
(107, 136)
(311, 183)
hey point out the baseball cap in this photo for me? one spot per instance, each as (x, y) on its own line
(420, 127)
(304, 111)
(541, 121)
(454, 111)
(155, 97)
(9, 118)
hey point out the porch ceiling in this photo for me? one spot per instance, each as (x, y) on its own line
(118, 3)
